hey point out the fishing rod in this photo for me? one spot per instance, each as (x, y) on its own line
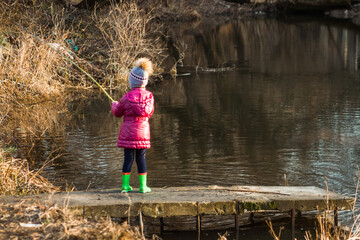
(76, 65)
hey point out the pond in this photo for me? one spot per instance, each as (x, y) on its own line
(266, 99)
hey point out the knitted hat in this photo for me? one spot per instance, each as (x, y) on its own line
(139, 75)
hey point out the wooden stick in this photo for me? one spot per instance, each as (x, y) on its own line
(293, 212)
(198, 221)
(232, 190)
(141, 225)
(237, 214)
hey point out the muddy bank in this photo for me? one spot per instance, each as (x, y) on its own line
(192, 10)
(174, 11)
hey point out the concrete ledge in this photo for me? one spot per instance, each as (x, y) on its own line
(193, 201)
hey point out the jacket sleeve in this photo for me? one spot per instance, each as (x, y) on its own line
(118, 108)
(151, 106)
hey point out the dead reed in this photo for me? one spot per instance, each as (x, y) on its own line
(324, 230)
(127, 35)
(34, 78)
(16, 178)
(325, 227)
(24, 221)
(32, 75)
(272, 231)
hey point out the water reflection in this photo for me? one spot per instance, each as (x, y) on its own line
(290, 106)
(300, 45)
(252, 130)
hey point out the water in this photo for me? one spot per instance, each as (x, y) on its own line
(289, 106)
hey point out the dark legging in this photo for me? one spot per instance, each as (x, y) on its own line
(130, 155)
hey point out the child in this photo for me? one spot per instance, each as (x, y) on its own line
(136, 106)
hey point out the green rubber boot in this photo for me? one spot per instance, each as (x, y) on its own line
(125, 183)
(143, 188)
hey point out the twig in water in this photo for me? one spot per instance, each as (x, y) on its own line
(197, 66)
(224, 236)
(286, 183)
(272, 232)
(87, 188)
(220, 69)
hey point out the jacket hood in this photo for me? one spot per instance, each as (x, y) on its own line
(140, 101)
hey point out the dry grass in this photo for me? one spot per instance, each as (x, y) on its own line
(34, 78)
(25, 221)
(126, 32)
(32, 75)
(16, 178)
(325, 228)
(272, 231)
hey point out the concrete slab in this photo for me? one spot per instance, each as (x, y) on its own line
(193, 201)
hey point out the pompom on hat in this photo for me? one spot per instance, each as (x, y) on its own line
(139, 75)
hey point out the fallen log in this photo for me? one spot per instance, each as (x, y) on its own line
(74, 2)
(303, 5)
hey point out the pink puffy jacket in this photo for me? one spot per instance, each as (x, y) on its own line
(136, 106)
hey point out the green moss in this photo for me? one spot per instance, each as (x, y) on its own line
(255, 206)
(272, 205)
(249, 206)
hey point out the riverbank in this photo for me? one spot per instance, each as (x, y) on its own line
(193, 11)
(28, 221)
(37, 86)
(16, 178)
